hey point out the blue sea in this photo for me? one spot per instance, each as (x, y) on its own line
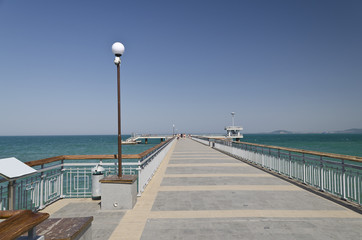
(29, 148)
(346, 144)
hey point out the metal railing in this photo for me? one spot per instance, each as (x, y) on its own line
(70, 177)
(339, 175)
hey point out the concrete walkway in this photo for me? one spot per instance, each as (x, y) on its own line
(200, 193)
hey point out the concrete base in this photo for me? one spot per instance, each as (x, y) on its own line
(118, 192)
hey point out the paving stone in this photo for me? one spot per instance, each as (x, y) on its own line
(104, 222)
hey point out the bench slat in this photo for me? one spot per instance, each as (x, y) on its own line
(19, 222)
(64, 228)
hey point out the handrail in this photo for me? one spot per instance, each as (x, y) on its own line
(19, 222)
(84, 157)
(323, 154)
(148, 151)
(326, 172)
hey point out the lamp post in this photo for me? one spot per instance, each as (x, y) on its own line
(118, 192)
(118, 50)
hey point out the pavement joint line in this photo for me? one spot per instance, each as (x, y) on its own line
(208, 165)
(133, 222)
(254, 214)
(217, 175)
(56, 206)
(230, 188)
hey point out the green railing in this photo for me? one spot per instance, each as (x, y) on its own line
(339, 175)
(70, 176)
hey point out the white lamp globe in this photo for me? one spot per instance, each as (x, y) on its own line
(118, 49)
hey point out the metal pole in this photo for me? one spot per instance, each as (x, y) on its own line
(119, 123)
(11, 195)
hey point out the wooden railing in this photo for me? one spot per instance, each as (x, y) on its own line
(85, 157)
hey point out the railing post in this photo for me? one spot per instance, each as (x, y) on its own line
(303, 168)
(343, 181)
(41, 190)
(321, 175)
(279, 161)
(11, 195)
(271, 160)
(139, 178)
(290, 165)
(41, 197)
(61, 179)
(359, 179)
(62, 171)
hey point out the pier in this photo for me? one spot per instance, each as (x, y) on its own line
(145, 138)
(201, 193)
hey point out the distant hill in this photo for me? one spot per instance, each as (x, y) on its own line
(352, 130)
(347, 131)
(281, 132)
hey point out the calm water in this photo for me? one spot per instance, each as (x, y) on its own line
(28, 148)
(347, 144)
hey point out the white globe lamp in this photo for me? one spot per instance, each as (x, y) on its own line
(118, 49)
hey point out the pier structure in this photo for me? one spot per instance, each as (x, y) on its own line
(233, 132)
(145, 138)
(200, 192)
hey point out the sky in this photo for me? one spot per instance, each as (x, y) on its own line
(292, 65)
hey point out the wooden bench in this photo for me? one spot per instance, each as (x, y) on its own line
(40, 226)
(66, 228)
(19, 222)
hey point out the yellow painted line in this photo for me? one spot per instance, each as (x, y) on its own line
(208, 165)
(216, 175)
(256, 214)
(133, 222)
(230, 188)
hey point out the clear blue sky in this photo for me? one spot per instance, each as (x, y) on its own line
(293, 65)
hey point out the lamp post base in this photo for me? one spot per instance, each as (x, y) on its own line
(118, 192)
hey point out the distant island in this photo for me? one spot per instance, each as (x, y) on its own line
(281, 132)
(352, 130)
(348, 131)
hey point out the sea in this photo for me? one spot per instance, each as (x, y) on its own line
(29, 148)
(346, 144)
